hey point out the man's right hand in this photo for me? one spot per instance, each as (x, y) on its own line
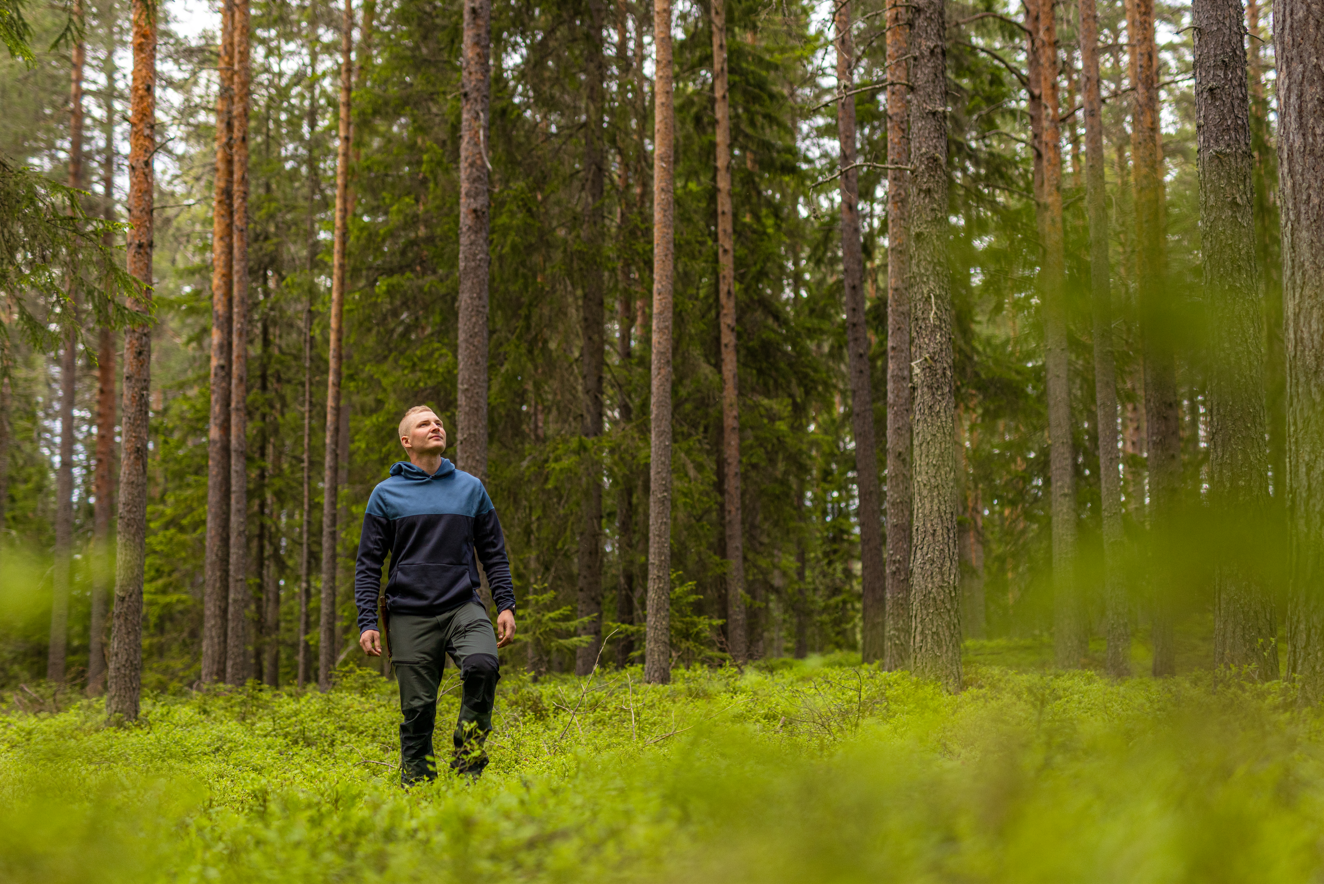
(371, 642)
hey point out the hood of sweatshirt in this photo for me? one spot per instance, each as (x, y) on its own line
(409, 471)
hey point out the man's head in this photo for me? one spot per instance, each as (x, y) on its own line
(421, 432)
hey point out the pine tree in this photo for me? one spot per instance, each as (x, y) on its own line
(125, 668)
(935, 600)
(657, 640)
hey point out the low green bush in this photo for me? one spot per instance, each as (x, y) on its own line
(805, 772)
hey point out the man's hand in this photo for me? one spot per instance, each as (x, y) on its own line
(505, 627)
(371, 642)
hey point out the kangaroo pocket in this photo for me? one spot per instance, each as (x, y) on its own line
(423, 586)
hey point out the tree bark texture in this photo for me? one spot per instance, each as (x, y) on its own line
(726, 309)
(657, 638)
(592, 319)
(238, 666)
(267, 571)
(62, 574)
(1117, 621)
(216, 565)
(1298, 31)
(935, 588)
(330, 474)
(475, 94)
(1070, 637)
(896, 645)
(1163, 442)
(125, 668)
(873, 576)
(304, 652)
(1244, 634)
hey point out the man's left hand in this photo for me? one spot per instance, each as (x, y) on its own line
(505, 627)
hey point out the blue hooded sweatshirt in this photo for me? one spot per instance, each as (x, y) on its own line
(436, 527)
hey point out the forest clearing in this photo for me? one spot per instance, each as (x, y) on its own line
(817, 770)
(851, 441)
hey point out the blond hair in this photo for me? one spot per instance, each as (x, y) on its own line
(404, 421)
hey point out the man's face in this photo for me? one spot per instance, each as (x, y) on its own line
(426, 434)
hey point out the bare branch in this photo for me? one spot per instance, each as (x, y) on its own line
(860, 165)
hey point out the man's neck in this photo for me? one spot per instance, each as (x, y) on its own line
(428, 463)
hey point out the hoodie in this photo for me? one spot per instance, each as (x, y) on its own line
(437, 528)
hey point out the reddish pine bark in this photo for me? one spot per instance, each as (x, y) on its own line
(330, 474)
(216, 566)
(238, 663)
(657, 639)
(474, 258)
(125, 668)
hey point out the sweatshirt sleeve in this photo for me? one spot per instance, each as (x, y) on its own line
(376, 540)
(490, 545)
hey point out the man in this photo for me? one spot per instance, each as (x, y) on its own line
(437, 522)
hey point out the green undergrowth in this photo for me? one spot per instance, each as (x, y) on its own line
(792, 772)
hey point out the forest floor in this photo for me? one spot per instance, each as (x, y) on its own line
(795, 771)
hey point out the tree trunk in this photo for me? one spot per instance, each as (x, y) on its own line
(896, 651)
(873, 577)
(1116, 612)
(1162, 421)
(4, 460)
(657, 642)
(238, 658)
(475, 89)
(935, 590)
(216, 567)
(726, 302)
(267, 571)
(1298, 31)
(1071, 639)
(625, 538)
(126, 649)
(64, 477)
(326, 643)
(592, 318)
(304, 649)
(1244, 634)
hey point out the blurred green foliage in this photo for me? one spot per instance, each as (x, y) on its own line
(815, 770)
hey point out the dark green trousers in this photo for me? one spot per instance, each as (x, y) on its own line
(419, 646)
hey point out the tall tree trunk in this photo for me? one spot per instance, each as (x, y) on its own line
(873, 577)
(1244, 633)
(216, 566)
(267, 570)
(326, 643)
(592, 318)
(1071, 638)
(304, 649)
(936, 598)
(657, 640)
(1116, 613)
(475, 89)
(238, 659)
(896, 651)
(625, 537)
(64, 479)
(1162, 420)
(726, 302)
(125, 669)
(1298, 37)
